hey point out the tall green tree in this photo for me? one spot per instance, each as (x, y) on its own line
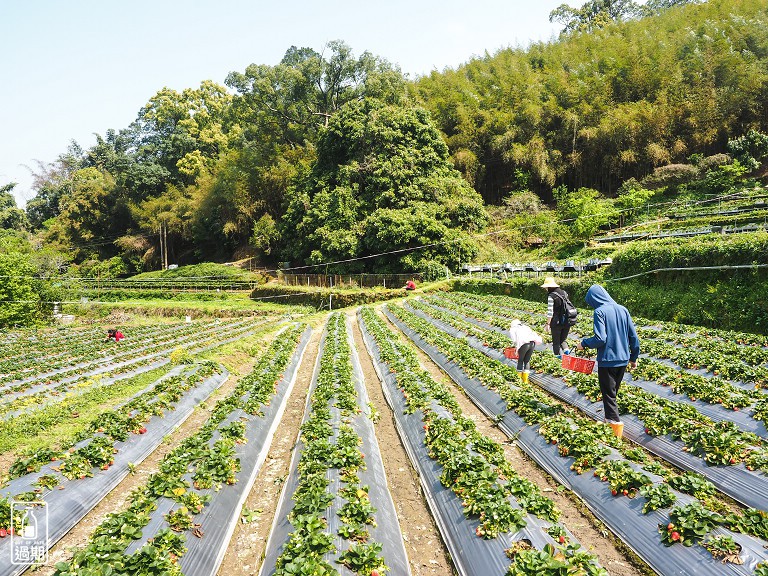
(87, 215)
(11, 216)
(20, 296)
(178, 136)
(382, 182)
(593, 14)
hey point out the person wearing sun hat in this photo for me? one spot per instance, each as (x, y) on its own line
(556, 297)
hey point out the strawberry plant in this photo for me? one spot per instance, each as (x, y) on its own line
(693, 484)
(750, 521)
(179, 520)
(656, 496)
(363, 559)
(48, 481)
(621, 477)
(724, 548)
(688, 524)
(558, 533)
(552, 560)
(76, 466)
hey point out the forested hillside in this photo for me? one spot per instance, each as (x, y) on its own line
(328, 156)
(597, 108)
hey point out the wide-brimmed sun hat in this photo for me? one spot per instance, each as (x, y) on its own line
(549, 282)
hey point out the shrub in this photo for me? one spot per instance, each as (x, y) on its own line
(750, 149)
(432, 270)
(670, 175)
(714, 161)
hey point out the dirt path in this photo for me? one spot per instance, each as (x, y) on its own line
(610, 552)
(426, 552)
(249, 541)
(239, 363)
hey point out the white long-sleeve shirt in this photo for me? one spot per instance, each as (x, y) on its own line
(522, 334)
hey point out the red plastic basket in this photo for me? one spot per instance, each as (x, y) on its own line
(577, 364)
(511, 353)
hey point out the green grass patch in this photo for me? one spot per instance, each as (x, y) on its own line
(229, 304)
(204, 270)
(54, 425)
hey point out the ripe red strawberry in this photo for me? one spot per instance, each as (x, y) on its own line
(675, 536)
(3, 533)
(614, 492)
(561, 539)
(670, 526)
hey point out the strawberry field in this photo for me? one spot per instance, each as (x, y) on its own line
(508, 474)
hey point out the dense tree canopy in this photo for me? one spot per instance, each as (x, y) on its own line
(595, 109)
(382, 182)
(328, 157)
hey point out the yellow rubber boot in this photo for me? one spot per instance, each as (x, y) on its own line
(524, 377)
(618, 428)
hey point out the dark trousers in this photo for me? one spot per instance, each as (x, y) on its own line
(559, 334)
(524, 354)
(610, 380)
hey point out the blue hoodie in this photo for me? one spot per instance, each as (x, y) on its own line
(615, 337)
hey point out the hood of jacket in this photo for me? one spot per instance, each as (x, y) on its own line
(598, 296)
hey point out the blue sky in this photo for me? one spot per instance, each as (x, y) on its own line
(72, 68)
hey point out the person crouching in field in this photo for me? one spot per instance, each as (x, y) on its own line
(525, 340)
(617, 345)
(114, 334)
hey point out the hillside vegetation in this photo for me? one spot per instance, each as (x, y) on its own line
(338, 163)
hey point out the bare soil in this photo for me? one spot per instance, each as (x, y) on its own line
(245, 553)
(575, 516)
(426, 551)
(238, 363)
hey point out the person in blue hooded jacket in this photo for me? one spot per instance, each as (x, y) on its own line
(617, 346)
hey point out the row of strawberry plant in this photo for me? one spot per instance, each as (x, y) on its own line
(328, 514)
(715, 361)
(751, 355)
(131, 354)
(726, 337)
(714, 390)
(665, 328)
(716, 442)
(85, 348)
(586, 440)
(83, 380)
(112, 426)
(190, 479)
(474, 468)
